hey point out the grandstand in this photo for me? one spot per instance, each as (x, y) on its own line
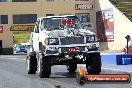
(124, 6)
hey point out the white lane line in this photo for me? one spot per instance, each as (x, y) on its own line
(13, 58)
(118, 70)
(114, 69)
(110, 53)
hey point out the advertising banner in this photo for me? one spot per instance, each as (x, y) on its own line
(105, 25)
(20, 37)
(22, 28)
(1, 29)
(83, 7)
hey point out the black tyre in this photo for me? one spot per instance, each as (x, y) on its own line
(72, 67)
(93, 63)
(45, 67)
(80, 79)
(32, 64)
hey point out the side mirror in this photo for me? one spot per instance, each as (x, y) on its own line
(84, 26)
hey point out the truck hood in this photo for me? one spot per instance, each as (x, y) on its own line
(68, 32)
(85, 32)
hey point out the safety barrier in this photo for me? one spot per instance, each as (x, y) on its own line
(116, 59)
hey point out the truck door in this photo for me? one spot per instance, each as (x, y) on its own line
(36, 37)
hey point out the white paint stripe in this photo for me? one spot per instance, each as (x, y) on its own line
(110, 69)
(12, 58)
(118, 70)
(110, 53)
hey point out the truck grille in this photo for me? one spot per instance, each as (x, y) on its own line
(72, 40)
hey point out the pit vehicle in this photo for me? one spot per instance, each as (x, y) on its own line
(61, 40)
(20, 48)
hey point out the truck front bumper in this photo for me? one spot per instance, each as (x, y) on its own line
(61, 49)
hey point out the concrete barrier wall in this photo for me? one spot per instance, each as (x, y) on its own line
(116, 59)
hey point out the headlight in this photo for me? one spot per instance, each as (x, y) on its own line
(90, 38)
(53, 41)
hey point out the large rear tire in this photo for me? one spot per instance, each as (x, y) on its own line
(45, 67)
(93, 63)
(32, 64)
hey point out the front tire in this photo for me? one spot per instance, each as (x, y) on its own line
(32, 64)
(45, 67)
(93, 63)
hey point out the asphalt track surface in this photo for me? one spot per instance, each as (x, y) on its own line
(13, 74)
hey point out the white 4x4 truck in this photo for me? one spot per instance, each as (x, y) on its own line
(61, 40)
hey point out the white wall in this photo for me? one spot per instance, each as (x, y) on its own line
(122, 25)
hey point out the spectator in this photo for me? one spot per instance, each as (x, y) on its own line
(124, 50)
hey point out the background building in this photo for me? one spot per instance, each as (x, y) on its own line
(17, 19)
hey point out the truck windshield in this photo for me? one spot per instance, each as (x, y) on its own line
(59, 23)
